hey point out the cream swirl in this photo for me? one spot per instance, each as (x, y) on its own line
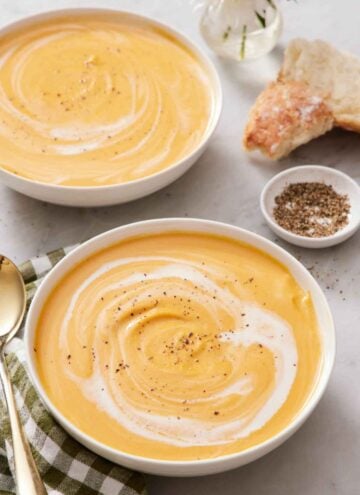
(175, 356)
(98, 100)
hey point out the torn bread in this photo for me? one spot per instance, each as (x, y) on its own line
(327, 71)
(286, 115)
(318, 87)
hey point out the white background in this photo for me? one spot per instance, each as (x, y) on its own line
(323, 457)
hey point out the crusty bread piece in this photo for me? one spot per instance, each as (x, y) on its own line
(286, 115)
(333, 74)
(317, 87)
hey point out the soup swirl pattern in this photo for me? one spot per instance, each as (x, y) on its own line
(183, 348)
(98, 100)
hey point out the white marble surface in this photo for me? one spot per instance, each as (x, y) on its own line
(323, 457)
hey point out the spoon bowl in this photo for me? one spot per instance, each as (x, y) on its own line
(12, 309)
(12, 300)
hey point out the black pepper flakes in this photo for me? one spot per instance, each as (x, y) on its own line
(311, 209)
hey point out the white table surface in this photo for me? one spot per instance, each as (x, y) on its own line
(323, 457)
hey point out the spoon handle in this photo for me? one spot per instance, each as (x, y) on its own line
(28, 481)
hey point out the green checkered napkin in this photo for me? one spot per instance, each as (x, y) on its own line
(66, 467)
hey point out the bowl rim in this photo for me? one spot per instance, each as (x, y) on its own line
(340, 235)
(180, 225)
(179, 35)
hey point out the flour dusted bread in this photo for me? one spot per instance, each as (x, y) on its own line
(286, 115)
(334, 74)
(318, 87)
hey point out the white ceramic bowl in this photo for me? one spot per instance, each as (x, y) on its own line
(186, 468)
(342, 184)
(128, 191)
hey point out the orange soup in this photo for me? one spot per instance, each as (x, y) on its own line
(179, 346)
(98, 99)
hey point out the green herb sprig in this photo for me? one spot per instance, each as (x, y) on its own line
(261, 19)
(243, 42)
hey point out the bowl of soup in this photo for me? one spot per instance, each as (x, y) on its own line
(180, 347)
(99, 107)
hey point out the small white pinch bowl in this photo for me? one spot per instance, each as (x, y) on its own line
(203, 466)
(84, 196)
(341, 182)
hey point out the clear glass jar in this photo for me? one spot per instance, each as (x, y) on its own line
(241, 29)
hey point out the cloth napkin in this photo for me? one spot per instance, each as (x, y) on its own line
(66, 467)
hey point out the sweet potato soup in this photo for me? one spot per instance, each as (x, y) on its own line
(98, 99)
(179, 346)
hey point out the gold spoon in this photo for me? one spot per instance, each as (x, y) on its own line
(12, 309)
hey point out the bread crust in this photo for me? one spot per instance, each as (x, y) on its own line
(286, 115)
(312, 71)
(330, 72)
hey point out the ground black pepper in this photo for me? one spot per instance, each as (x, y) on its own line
(311, 209)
